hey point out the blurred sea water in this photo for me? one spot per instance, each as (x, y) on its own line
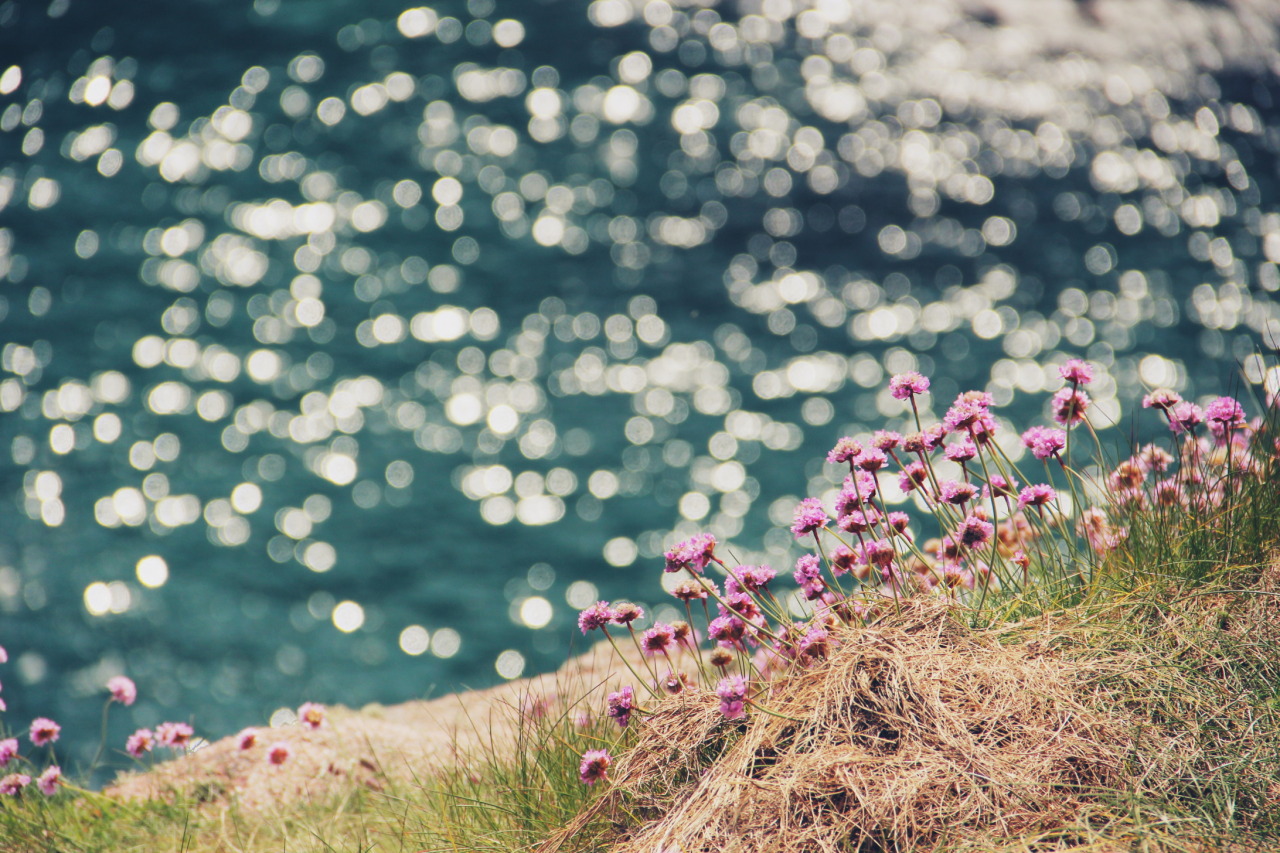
(350, 347)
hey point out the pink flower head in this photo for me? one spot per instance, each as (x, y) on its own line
(1185, 417)
(844, 451)
(621, 704)
(174, 735)
(4, 656)
(906, 385)
(123, 690)
(871, 459)
(886, 440)
(12, 785)
(964, 414)
(140, 742)
(912, 476)
(1069, 406)
(689, 591)
(732, 691)
(596, 616)
(859, 521)
(1021, 560)
(842, 560)
(975, 531)
(999, 486)
(1037, 495)
(815, 642)
(753, 578)
(879, 552)
(810, 518)
(956, 493)
(595, 766)
(1161, 398)
(899, 522)
(726, 630)
(914, 443)
(656, 639)
(44, 731)
(311, 715)
(1155, 458)
(279, 753)
(955, 575)
(695, 553)
(8, 749)
(934, 436)
(626, 613)
(1044, 442)
(49, 780)
(859, 488)
(807, 569)
(1076, 371)
(247, 739)
(1224, 414)
(961, 451)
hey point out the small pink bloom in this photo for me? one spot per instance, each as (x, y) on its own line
(1185, 417)
(810, 518)
(1044, 442)
(140, 742)
(49, 780)
(961, 451)
(279, 753)
(695, 553)
(311, 715)
(595, 766)
(44, 731)
(1038, 495)
(1077, 372)
(871, 459)
(8, 749)
(732, 691)
(975, 532)
(626, 613)
(12, 785)
(596, 616)
(123, 690)
(844, 451)
(807, 569)
(247, 739)
(1161, 398)
(174, 735)
(621, 703)
(886, 440)
(906, 385)
(656, 640)
(1069, 406)
(953, 492)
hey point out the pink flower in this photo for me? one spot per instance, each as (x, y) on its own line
(626, 613)
(899, 521)
(1038, 495)
(311, 715)
(174, 735)
(859, 521)
(279, 753)
(596, 616)
(871, 459)
(1044, 442)
(49, 780)
(689, 591)
(807, 569)
(8, 749)
(956, 493)
(595, 766)
(732, 691)
(247, 739)
(815, 641)
(906, 385)
(810, 518)
(912, 476)
(1224, 414)
(1161, 398)
(879, 552)
(753, 578)
(961, 416)
(621, 704)
(1077, 372)
(844, 451)
(694, 553)
(44, 731)
(859, 488)
(12, 785)
(656, 639)
(1000, 486)
(886, 440)
(961, 451)
(1185, 417)
(975, 531)
(123, 690)
(141, 741)
(1069, 406)
(726, 630)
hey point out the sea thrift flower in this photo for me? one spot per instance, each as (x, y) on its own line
(859, 521)
(808, 568)
(961, 451)
(279, 753)
(899, 522)
(8, 749)
(689, 591)
(596, 616)
(814, 642)
(912, 476)
(311, 715)
(1155, 458)
(1038, 495)
(123, 690)
(12, 785)
(963, 415)
(754, 578)
(1069, 406)
(740, 605)
(44, 731)
(695, 553)
(174, 735)
(844, 451)
(906, 385)
(886, 440)
(956, 493)
(726, 630)
(626, 613)
(621, 703)
(1077, 372)
(879, 552)
(810, 518)
(934, 436)
(914, 443)
(1000, 486)
(720, 657)
(1044, 442)
(1161, 398)
(675, 682)
(656, 639)
(975, 531)
(49, 780)
(141, 741)
(247, 739)
(1021, 560)
(955, 575)
(732, 691)
(595, 766)
(871, 459)
(1185, 417)
(1224, 414)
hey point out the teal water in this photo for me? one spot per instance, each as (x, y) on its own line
(349, 348)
